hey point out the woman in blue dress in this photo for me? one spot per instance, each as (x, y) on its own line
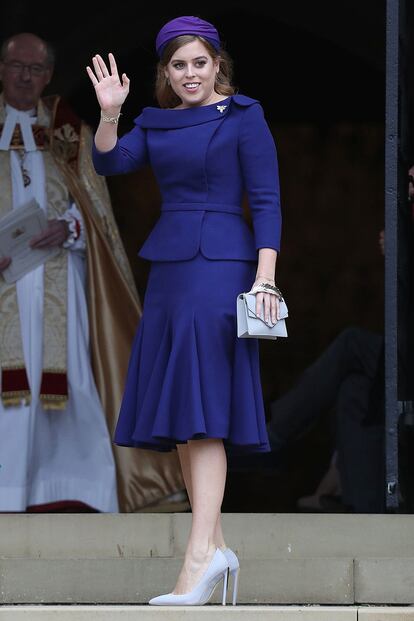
(192, 385)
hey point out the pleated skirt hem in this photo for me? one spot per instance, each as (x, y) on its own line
(189, 376)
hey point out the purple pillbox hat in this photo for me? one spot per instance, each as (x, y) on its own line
(186, 25)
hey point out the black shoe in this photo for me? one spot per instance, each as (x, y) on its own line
(334, 504)
(326, 503)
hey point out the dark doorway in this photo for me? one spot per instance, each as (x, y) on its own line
(319, 71)
(399, 369)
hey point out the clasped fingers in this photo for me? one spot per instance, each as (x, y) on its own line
(53, 235)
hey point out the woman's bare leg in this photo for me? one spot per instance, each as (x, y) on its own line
(205, 469)
(185, 468)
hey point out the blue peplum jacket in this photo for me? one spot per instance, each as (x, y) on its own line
(204, 159)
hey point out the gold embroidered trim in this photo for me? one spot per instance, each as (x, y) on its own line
(53, 398)
(16, 397)
(53, 402)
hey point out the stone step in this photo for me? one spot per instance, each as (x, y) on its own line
(384, 580)
(295, 535)
(128, 558)
(135, 581)
(262, 581)
(205, 613)
(264, 536)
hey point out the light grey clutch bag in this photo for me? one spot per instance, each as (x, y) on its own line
(250, 326)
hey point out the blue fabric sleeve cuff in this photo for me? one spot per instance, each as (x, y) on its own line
(106, 162)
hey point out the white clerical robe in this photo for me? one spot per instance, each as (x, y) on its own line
(51, 455)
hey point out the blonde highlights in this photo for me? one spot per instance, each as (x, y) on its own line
(165, 95)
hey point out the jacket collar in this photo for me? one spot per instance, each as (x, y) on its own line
(165, 118)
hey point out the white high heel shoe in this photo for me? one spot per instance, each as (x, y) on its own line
(215, 572)
(234, 570)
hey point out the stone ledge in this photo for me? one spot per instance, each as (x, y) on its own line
(385, 613)
(295, 535)
(93, 536)
(121, 581)
(203, 613)
(384, 580)
(260, 535)
(207, 613)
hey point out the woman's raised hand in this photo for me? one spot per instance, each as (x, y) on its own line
(110, 90)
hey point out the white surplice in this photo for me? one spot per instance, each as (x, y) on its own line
(54, 455)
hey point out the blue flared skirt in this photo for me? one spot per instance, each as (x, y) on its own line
(189, 376)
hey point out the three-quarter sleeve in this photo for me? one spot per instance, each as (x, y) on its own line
(259, 164)
(129, 153)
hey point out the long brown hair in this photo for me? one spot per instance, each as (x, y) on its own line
(165, 95)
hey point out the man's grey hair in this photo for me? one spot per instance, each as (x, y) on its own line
(50, 52)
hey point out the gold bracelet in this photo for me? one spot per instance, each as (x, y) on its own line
(110, 119)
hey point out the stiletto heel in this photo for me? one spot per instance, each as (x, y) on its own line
(234, 570)
(235, 584)
(225, 587)
(202, 592)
